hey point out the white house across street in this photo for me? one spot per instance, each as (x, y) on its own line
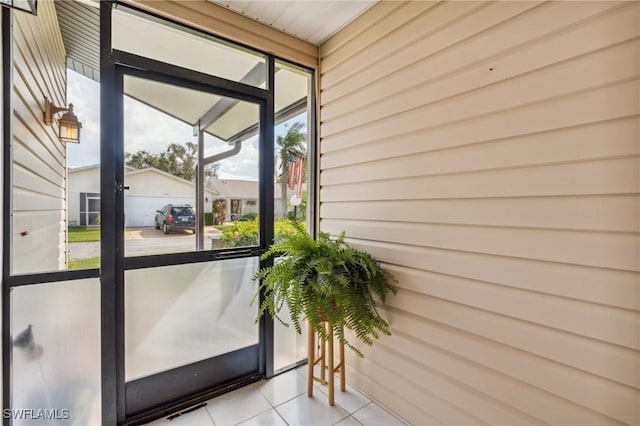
(149, 190)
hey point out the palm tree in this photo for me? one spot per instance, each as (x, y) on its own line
(292, 141)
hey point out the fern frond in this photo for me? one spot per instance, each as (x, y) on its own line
(325, 280)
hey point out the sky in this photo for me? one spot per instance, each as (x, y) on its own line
(149, 129)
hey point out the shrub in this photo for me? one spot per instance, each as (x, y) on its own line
(240, 234)
(208, 219)
(248, 216)
(245, 233)
(283, 227)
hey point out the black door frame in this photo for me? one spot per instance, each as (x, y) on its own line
(200, 377)
(113, 265)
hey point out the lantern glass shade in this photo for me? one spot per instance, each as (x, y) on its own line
(69, 128)
(295, 201)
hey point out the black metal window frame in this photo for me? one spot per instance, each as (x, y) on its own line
(30, 7)
(112, 372)
(7, 134)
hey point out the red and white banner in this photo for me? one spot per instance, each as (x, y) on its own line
(296, 172)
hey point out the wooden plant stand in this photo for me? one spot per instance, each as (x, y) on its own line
(326, 361)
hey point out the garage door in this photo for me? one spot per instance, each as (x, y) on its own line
(141, 211)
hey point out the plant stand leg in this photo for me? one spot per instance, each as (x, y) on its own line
(343, 379)
(323, 357)
(311, 361)
(326, 356)
(315, 356)
(331, 369)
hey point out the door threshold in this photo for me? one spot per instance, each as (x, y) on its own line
(194, 402)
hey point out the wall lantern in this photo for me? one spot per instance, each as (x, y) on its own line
(69, 124)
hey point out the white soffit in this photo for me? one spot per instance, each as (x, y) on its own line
(80, 28)
(313, 21)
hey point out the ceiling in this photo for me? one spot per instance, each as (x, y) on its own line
(310, 20)
(313, 21)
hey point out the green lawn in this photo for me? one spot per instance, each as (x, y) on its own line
(80, 234)
(92, 262)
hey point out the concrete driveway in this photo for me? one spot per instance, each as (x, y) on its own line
(147, 240)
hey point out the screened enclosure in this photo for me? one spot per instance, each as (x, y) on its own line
(107, 297)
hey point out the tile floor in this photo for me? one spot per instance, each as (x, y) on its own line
(283, 401)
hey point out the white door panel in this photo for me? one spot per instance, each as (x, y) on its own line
(141, 211)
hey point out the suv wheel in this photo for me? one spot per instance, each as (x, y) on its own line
(157, 226)
(165, 228)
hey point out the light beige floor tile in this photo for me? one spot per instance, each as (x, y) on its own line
(282, 388)
(237, 406)
(305, 411)
(304, 372)
(374, 415)
(349, 421)
(351, 400)
(268, 418)
(252, 405)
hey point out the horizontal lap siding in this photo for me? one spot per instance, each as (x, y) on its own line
(39, 158)
(489, 155)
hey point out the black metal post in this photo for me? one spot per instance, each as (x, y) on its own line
(111, 371)
(267, 135)
(7, 134)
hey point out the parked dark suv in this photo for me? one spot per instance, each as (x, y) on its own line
(176, 217)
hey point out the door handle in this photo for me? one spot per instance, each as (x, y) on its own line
(121, 188)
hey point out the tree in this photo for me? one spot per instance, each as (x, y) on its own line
(177, 160)
(292, 141)
(212, 170)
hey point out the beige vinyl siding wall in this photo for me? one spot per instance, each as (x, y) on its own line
(39, 158)
(488, 154)
(220, 21)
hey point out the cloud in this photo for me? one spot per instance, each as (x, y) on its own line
(149, 129)
(145, 128)
(84, 94)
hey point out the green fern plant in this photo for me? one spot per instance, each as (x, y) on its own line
(325, 279)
